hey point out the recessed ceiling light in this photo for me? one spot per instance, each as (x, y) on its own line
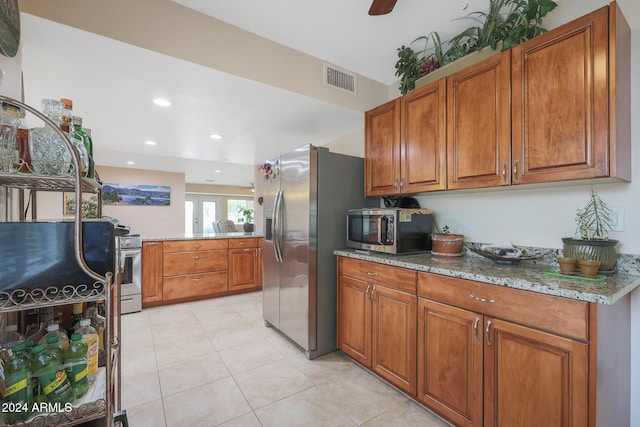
(217, 170)
(215, 136)
(149, 142)
(131, 163)
(162, 102)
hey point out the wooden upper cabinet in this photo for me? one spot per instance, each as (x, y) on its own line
(423, 148)
(479, 124)
(564, 82)
(382, 149)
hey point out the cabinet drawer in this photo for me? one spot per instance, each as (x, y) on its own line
(401, 279)
(545, 312)
(194, 245)
(194, 285)
(243, 243)
(176, 263)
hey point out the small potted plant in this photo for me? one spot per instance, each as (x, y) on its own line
(592, 240)
(447, 244)
(247, 214)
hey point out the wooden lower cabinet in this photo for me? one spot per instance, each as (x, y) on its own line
(187, 270)
(477, 354)
(377, 324)
(151, 273)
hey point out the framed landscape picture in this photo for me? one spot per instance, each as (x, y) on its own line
(136, 195)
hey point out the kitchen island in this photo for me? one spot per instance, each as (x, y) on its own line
(189, 267)
(488, 344)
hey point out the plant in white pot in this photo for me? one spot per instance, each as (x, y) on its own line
(592, 240)
(446, 243)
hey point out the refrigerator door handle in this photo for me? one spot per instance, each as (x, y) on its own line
(275, 226)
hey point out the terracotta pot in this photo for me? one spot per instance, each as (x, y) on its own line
(567, 265)
(447, 243)
(589, 267)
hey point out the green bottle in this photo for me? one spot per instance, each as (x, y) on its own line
(81, 134)
(75, 357)
(28, 344)
(48, 367)
(17, 394)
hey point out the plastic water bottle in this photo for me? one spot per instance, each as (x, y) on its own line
(53, 330)
(11, 336)
(49, 369)
(18, 393)
(75, 357)
(90, 338)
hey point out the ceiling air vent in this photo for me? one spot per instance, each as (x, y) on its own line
(338, 78)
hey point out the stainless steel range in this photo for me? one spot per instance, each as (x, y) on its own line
(130, 261)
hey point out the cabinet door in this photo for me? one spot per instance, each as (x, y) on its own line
(450, 362)
(424, 139)
(560, 103)
(479, 124)
(394, 337)
(243, 268)
(382, 149)
(151, 272)
(354, 319)
(534, 378)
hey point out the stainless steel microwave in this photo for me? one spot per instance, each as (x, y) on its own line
(390, 230)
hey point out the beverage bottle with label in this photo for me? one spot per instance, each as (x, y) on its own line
(90, 338)
(11, 336)
(82, 135)
(75, 358)
(67, 126)
(46, 317)
(98, 322)
(49, 369)
(53, 330)
(76, 317)
(18, 389)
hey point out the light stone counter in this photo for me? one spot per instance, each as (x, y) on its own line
(200, 236)
(525, 275)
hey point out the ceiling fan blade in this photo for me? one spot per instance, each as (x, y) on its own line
(381, 7)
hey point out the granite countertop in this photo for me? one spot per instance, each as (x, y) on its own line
(200, 236)
(524, 275)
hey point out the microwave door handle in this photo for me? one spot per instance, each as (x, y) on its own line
(380, 230)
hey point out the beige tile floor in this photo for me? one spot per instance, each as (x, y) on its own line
(213, 362)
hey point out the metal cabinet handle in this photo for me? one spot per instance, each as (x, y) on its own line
(486, 333)
(243, 243)
(504, 171)
(395, 183)
(490, 301)
(372, 274)
(366, 293)
(515, 171)
(196, 257)
(197, 246)
(196, 279)
(373, 291)
(401, 183)
(475, 329)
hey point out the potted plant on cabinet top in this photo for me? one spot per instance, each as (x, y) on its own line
(592, 240)
(509, 22)
(447, 244)
(247, 214)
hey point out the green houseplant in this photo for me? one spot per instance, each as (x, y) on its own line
(591, 241)
(508, 22)
(247, 214)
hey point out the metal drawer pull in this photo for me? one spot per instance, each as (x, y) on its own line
(197, 246)
(491, 301)
(243, 243)
(475, 328)
(196, 279)
(196, 257)
(486, 332)
(369, 273)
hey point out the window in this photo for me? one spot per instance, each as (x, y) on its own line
(234, 205)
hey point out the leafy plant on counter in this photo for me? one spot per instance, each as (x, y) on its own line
(594, 220)
(247, 214)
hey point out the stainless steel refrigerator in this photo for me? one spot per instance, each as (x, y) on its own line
(306, 197)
